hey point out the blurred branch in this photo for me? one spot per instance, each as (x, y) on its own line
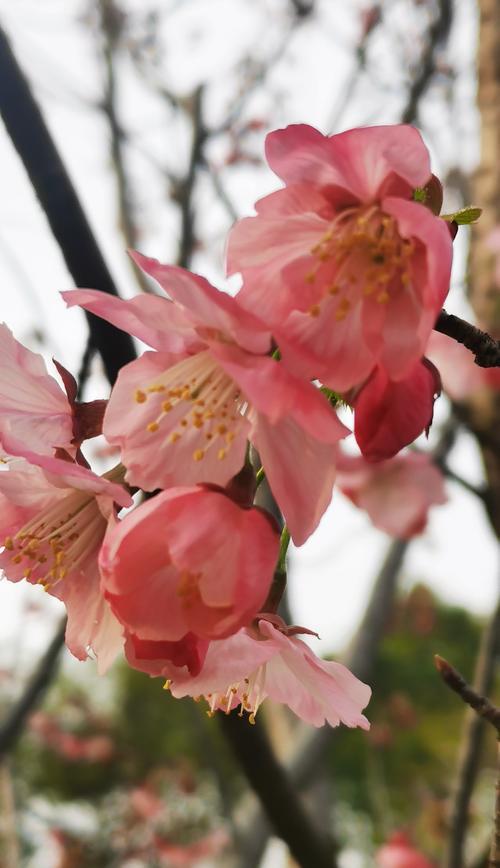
(12, 726)
(31, 138)
(485, 348)
(277, 794)
(303, 8)
(471, 743)
(436, 37)
(111, 24)
(370, 21)
(9, 844)
(185, 188)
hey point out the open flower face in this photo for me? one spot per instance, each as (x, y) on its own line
(54, 518)
(265, 662)
(190, 560)
(184, 414)
(343, 265)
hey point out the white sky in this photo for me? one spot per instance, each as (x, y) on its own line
(331, 575)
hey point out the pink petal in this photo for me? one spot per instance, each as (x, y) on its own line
(416, 221)
(300, 471)
(156, 321)
(34, 411)
(207, 307)
(166, 658)
(360, 164)
(389, 415)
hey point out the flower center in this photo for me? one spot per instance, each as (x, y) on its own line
(361, 254)
(197, 398)
(58, 540)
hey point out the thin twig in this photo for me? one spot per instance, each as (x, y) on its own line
(185, 191)
(456, 682)
(31, 138)
(485, 348)
(12, 726)
(471, 744)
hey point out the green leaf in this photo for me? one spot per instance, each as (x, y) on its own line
(464, 216)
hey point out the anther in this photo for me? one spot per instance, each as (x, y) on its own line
(152, 427)
(198, 454)
(140, 396)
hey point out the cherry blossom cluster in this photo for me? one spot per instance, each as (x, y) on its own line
(344, 271)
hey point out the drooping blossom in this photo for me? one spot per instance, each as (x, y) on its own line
(399, 852)
(390, 414)
(53, 518)
(183, 415)
(189, 561)
(35, 413)
(460, 375)
(268, 660)
(396, 494)
(345, 267)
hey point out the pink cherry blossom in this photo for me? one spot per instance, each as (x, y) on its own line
(396, 494)
(190, 560)
(348, 271)
(54, 515)
(390, 414)
(460, 375)
(183, 415)
(269, 661)
(399, 852)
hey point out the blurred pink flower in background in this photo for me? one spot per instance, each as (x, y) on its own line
(398, 852)
(396, 494)
(460, 375)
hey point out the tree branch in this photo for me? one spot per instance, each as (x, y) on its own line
(12, 725)
(485, 348)
(277, 793)
(31, 138)
(456, 682)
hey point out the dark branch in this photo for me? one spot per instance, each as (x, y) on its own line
(485, 348)
(69, 225)
(276, 793)
(481, 705)
(436, 37)
(303, 8)
(185, 191)
(11, 728)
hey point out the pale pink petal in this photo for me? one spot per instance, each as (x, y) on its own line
(34, 411)
(460, 375)
(318, 691)
(65, 474)
(300, 471)
(156, 321)
(228, 661)
(91, 625)
(207, 307)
